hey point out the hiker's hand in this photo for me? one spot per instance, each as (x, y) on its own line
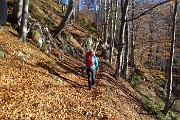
(97, 71)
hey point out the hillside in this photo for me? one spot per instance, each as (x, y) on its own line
(34, 85)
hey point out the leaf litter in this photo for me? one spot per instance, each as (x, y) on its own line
(28, 89)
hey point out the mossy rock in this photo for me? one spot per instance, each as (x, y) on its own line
(69, 50)
(91, 28)
(105, 53)
(66, 35)
(2, 54)
(36, 34)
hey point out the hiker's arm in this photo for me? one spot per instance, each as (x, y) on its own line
(96, 62)
(84, 60)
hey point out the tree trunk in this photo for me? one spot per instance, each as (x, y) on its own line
(3, 12)
(105, 23)
(126, 54)
(169, 85)
(124, 6)
(102, 18)
(65, 19)
(77, 8)
(23, 27)
(19, 13)
(132, 50)
(113, 29)
(132, 40)
(111, 34)
(63, 5)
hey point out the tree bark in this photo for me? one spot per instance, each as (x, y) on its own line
(111, 34)
(62, 2)
(132, 40)
(126, 53)
(101, 18)
(65, 19)
(169, 84)
(3, 12)
(23, 27)
(77, 8)
(19, 13)
(113, 29)
(105, 23)
(124, 6)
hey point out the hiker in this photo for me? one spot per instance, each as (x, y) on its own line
(91, 66)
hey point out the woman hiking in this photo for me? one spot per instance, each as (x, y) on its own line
(91, 66)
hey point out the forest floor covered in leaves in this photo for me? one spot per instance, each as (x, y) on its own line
(36, 86)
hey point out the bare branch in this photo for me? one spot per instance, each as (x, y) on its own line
(144, 13)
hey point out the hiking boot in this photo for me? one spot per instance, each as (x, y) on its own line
(90, 87)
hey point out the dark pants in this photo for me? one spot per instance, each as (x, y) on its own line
(91, 77)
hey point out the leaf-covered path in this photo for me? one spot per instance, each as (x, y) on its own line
(37, 86)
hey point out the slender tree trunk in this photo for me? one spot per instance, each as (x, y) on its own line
(97, 13)
(115, 19)
(168, 37)
(113, 29)
(169, 85)
(23, 27)
(105, 22)
(73, 16)
(65, 19)
(132, 46)
(63, 6)
(124, 6)
(132, 39)
(111, 34)
(3, 12)
(132, 50)
(102, 18)
(126, 54)
(20, 9)
(77, 8)
(15, 11)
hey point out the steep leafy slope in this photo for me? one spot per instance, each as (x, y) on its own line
(34, 85)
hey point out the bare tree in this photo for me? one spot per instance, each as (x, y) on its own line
(132, 39)
(123, 20)
(126, 51)
(111, 21)
(169, 84)
(77, 8)
(24, 18)
(124, 7)
(19, 13)
(113, 28)
(106, 19)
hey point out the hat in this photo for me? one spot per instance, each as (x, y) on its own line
(89, 49)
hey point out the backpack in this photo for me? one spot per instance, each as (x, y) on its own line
(89, 59)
